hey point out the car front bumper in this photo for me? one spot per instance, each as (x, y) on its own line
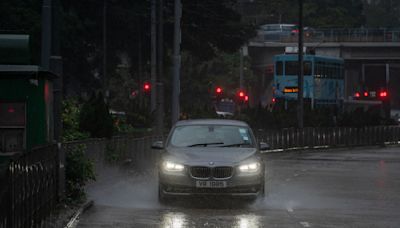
(237, 186)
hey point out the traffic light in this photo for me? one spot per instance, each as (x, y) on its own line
(383, 94)
(242, 96)
(146, 87)
(218, 90)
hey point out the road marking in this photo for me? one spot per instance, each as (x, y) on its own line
(296, 174)
(289, 209)
(305, 224)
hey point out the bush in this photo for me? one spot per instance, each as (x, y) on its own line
(95, 118)
(79, 170)
(70, 120)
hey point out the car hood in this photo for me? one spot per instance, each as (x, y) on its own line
(205, 155)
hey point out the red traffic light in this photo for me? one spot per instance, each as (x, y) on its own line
(357, 94)
(246, 98)
(366, 94)
(241, 94)
(383, 94)
(146, 86)
(218, 90)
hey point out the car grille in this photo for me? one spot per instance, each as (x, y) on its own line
(207, 172)
(200, 172)
(222, 172)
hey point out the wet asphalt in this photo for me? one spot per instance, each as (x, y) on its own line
(327, 188)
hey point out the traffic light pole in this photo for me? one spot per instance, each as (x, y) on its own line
(241, 69)
(104, 81)
(46, 35)
(153, 58)
(160, 68)
(300, 99)
(177, 62)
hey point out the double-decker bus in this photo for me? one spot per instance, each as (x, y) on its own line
(323, 79)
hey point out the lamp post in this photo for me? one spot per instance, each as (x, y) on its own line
(300, 98)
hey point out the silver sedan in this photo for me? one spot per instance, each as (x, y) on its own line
(211, 157)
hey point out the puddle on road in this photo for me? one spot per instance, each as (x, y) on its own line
(125, 188)
(180, 220)
(138, 190)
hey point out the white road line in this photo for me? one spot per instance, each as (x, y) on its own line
(305, 224)
(289, 209)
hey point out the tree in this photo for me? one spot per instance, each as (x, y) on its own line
(334, 13)
(325, 13)
(382, 13)
(199, 79)
(95, 117)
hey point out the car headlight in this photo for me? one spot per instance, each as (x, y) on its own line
(172, 166)
(250, 168)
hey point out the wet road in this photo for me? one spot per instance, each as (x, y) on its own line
(347, 188)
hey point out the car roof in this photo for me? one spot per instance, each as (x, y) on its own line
(211, 122)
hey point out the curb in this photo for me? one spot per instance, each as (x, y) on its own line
(73, 222)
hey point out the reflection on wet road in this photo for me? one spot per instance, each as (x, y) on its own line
(355, 188)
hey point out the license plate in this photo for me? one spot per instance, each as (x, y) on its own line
(211, 184)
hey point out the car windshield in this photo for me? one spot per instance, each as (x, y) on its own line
(211, 136)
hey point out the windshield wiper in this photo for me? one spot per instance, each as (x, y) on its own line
(236, 145)
(205, 144)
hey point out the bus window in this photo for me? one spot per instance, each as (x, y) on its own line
(279, 68)
(292, 69)
(307, 68)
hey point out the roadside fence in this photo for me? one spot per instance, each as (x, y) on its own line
(336, 35)
(124, 149)
(309, 138)
(29, 188)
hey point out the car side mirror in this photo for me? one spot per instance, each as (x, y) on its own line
(158, 145)
(264, 146)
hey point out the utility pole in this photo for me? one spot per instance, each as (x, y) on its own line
(46, 35)
(56, 66)
(160, 67)
(300, 99)
(177, 62)
(105, 91)
(153, 58)
(241, 69)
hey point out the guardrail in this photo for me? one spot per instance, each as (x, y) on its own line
(309, 138)
(335, 35)
(29, 188)
(136, 151)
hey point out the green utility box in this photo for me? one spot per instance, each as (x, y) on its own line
(26, 99)
(26, 107)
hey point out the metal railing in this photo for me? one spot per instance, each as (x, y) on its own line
(29, 190)
(310, 138)
(335, 35)
(102, 152)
